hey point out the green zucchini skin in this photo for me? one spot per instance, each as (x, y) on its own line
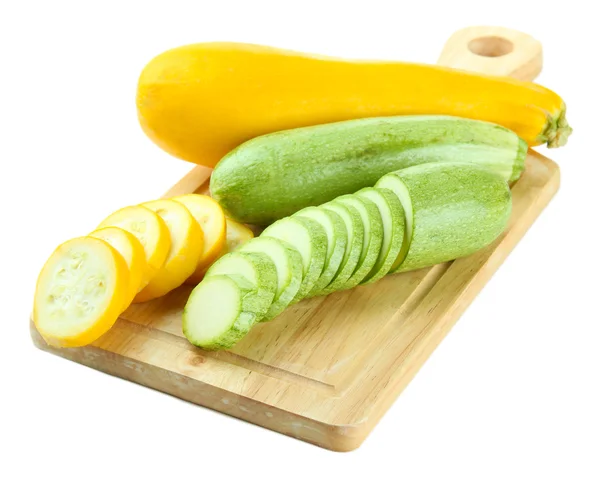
(276, 175)
(457, 209)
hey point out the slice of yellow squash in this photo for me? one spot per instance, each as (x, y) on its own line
(132, 252)
(209, 214)
(80, 292)
(186, 249)
(152, 232)
(237, 234)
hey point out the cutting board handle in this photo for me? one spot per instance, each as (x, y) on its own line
(495, 51)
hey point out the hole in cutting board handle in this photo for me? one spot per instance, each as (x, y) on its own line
(491, 46)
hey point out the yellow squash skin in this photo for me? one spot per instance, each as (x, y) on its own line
(200, 101)
(186, 248)
(209, 215)
(150, 230)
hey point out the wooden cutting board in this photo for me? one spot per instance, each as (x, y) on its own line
(327, 369)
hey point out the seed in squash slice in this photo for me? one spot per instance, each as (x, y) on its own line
(132, 252)
(186, 249)
(150, 230)
(80, 292)
(210, 216)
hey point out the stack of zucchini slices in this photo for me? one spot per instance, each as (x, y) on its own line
(412, 218)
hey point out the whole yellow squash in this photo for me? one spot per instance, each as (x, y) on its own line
(200, 101)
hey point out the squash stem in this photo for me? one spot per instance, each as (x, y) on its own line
(557, 130)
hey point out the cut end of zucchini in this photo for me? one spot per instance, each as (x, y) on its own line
(213, 317)
(372, 236)
(337, 237)
(392, 216)
(288, 264)
(395, 184)
(309, 239)
(354, 244)
(276, 251)
(294, 232)
(258, 270)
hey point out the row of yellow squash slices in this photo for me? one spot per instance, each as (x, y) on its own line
(136, 254)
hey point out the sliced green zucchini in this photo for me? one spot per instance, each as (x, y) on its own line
(309, 239)
(401, 191)
(337, 237)
(217, 313)
(372, 236)
(288, 263)
(392, 215)
(258, 269)
(453, 210)
(355, 235)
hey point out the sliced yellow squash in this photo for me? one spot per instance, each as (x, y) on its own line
(132, 252)
(150, 230)
(237, 233)
(80, 292)
(210, 216)
(186, 249)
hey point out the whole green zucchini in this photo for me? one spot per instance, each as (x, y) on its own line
(273, 176)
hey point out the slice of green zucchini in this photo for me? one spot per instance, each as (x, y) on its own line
(309, 239)
(355, 235)
(256, 268)
(337, 237)
(288, 263)
(392, 216)
(217, 313)
(372, 236)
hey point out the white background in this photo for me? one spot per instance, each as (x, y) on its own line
(512, 394)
